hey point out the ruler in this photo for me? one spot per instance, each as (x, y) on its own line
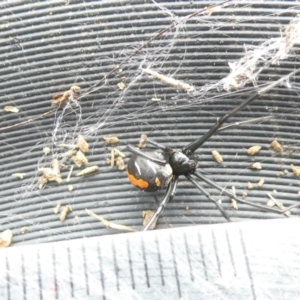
(247, 260)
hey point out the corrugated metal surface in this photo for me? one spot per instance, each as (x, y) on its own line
(46, 47)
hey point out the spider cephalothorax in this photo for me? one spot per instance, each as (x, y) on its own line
(154, 170)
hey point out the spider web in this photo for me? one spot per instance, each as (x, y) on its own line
(222, 53)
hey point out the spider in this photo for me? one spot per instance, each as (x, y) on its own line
(154, 170)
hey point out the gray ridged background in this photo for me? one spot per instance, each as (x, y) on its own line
(46, 47)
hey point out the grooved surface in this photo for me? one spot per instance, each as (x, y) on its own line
(46, 47)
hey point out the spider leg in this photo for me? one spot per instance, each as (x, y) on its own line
(208, 196)
(159, 146)
(145, 155)
(192, 147)
(232, 195)
(170, 193)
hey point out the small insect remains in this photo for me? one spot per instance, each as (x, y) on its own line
(152, 170)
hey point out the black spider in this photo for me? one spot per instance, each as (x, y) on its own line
(153, 170)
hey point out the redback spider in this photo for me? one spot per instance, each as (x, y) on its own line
(154, 170)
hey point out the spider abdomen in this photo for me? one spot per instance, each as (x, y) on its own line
(148, 175)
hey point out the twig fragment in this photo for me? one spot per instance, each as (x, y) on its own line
(64, 212)
(273, 201)
(110, 224)
(170, 81)
(87, 171)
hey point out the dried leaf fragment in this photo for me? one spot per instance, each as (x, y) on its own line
(244, 195)
(249, 185)
(111, 139)
(50, 174)
(82, 144)
(79, 159)
(276, 146)
(273, 201)
(6, 238)
(261, 182)
(217, 156)
(295, 170)
(87, 171)
(120, 163)
(155, 99)
(46, 150)
(108, 223)
(69, 153)
(143, 140)
(253, 150)
(147, 215)
(70, 187)
(24, 229)
(256, 165)
(57, 207)
(10, 108)
(233, 203)
(62, 99)
(64, 212)
(121, 85)
(19, 175)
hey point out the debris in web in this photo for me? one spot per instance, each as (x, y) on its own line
(6, 238)
(82, 144)
(88, 170)
(295, 170)
(233, 203)
(143, 141)
(64, 98)
(109, 224)
(261, 182)
(65, 211)
(50, 174)
(253, 150)
(170, 81)
(111, 140)
(116, 158)
(19, 175)
(273, 202)
(217, 156)
(256, 165)
(10, 108)
(276, 146)
(257, 58)
(56, 209)
(79, 159)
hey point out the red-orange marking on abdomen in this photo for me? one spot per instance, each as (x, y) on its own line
(157, 181)
(137, 182)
